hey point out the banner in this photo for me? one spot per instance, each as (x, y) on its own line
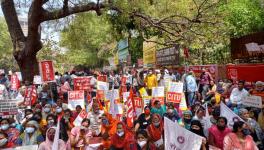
(100, 94)
(30, 96)
(37, 80)
(19, 75)
(102, 86)
(168, 56)
(143, 92)
(149, 52)
(82, 83)
(183, 104)
(252, 101)
(102, 78)
(47, 71)
(15, 83)
(229, 114)
(179, 138)
(79, 118)
(131, 110)
(75, 98)
(8, 107)
(146, 100)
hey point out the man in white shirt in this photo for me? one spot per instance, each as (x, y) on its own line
(238, 94)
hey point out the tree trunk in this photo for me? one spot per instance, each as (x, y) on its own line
(29, 67)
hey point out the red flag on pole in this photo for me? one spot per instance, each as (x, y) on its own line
(131, 110)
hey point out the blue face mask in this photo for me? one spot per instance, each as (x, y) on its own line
(30, 130)
(5, 127)
(105, 121)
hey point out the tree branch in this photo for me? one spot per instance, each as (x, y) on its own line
(61, 13)
(15, 30)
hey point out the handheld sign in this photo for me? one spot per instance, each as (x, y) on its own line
(47, 71)
(75, 98)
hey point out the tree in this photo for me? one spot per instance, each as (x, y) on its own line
(6, 58)
(25, 48)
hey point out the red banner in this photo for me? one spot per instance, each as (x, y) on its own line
(47, 71)
(102, 78)
(82, 83)
(131, 110)
(138, 102)
(174, 97)
(247, 72)
(30, 96)
(15, 83)
(212, 69)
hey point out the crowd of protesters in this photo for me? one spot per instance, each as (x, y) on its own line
(37, 124)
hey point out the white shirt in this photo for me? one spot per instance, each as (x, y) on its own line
(237, 95)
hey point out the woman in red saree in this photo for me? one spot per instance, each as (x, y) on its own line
(156, 130)
(123, 139)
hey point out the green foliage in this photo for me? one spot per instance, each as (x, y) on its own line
(7, 60)
(84, 37)
(244, 17)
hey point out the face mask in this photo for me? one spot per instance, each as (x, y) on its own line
(198, 132)
(142, 143)
(187, 120)
(83, 128)
(105, 122)
(46, 110)
(170, 111)
(29, 116)
(30, 130)
(246, 132)
(5, 126)
(51, 122)
(156, 124)
(38, 110)
(147, 112)
(59, 110)
(120, 133)
(3, 142)
(221, 128)
(13, 124)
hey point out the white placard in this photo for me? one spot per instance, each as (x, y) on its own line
(102, 85)
(252, 101)
(37, 79)
(158, 91)
(75, 98)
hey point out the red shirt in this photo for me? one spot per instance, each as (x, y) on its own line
(218, 136)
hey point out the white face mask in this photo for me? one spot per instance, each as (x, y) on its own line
(5, 127)
(3, 141)
(30, 130)
(59, 110)
(46, 110)
(51, 122)
(120, 133)
(142, 143)
(29, 116)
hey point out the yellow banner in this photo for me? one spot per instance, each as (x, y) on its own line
(149, 52)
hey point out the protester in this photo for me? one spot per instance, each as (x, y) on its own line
(240, 138)
(172, 113)
(190, 88)
(155, 131)
(95, 118)
(151, 81)
(80, 135)
(218, 132)
(144, 120)
(48, 144)
(254, 127)
(187, 118)
(108, 129)
(204, 83)
(12, 133)
(32, 135)
(4, 143)
(196, 127)
(238, 94)
(122, 139)
(143, 142)
(158, 109)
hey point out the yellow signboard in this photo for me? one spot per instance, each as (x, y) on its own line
(149, 53)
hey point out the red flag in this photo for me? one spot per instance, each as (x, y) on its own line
(30, 96)
(186, 52)
(15, 83)
(131, 110)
